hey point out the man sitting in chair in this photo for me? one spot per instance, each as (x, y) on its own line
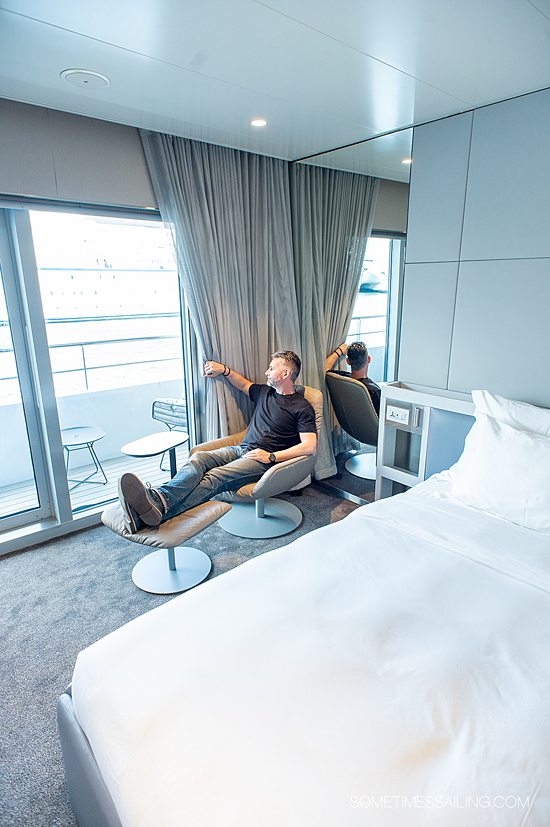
(357, 357)
(282, 428)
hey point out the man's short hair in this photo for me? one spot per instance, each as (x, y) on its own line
(292, 360)
(357, 355)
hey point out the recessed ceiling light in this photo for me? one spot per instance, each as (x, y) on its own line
(258, 122)
(85, 79)
(407, 161)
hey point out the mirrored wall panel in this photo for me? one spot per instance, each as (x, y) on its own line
(387, 157)
(376, 304)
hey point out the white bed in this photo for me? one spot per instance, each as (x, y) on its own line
(391, 669)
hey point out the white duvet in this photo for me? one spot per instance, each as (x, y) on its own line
(390, 669)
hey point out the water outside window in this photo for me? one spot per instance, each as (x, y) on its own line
(111, 303)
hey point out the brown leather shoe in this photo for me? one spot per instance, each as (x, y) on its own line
(141, 499)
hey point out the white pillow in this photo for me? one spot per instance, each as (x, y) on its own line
(518, 415)
(506, 472)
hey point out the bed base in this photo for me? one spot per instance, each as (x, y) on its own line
(90, 798)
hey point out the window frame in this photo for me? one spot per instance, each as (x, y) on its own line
(394, 302)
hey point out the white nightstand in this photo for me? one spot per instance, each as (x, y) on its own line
(421, 432)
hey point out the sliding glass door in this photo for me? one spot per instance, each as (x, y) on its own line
(91, 335)
(111, 303)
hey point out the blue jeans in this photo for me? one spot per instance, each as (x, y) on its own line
(209, 473)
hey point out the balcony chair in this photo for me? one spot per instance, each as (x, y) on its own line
(357, 417)
(257, 511)
(173, 568)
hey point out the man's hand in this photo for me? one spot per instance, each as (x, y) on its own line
(336, 354)
(305, 448)
(212, 369)
(259, 455)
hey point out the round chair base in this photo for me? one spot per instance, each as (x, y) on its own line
(152, 573)
(279, 518)
(362, 465)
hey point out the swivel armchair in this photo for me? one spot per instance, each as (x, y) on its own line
(257, 511)
(357, 417)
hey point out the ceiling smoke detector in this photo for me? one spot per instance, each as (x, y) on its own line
(85, 79)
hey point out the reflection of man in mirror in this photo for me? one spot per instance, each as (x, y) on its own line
(357, 357)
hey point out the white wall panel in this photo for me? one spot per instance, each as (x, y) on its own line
(507, 202)
(427, 323)
(501, 338)
(438, 183)
(500, 335)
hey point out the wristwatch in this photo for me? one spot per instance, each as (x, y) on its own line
(272, 458)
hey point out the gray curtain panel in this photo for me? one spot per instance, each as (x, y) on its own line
(229, 212)
(332, 215)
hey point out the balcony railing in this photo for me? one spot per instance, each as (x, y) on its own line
(100, 363)
(370, 327)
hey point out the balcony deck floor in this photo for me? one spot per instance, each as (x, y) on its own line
(20, 497)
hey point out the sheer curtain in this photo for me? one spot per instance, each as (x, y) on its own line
(332, 214)
(230, 217)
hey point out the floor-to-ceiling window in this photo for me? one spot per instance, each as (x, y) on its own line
(17, 412)
(110, 306)
(376, 312)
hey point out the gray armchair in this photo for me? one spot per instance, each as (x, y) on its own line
(257, 512)
(356, 415)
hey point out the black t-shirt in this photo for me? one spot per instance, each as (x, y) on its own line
(277, 420)
(373, 389)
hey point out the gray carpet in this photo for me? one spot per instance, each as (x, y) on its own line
(58, 598)
(349, 482)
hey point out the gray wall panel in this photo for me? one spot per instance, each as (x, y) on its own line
(507, 203)
(501, 338)
(427, 321)
(50, 154)
(113, 168)
(438, 183)
(25, 156)
(391, 207)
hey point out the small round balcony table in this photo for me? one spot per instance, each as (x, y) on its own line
(79, 439)
(155, 444)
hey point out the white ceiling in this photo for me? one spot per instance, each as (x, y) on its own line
(323, 74)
